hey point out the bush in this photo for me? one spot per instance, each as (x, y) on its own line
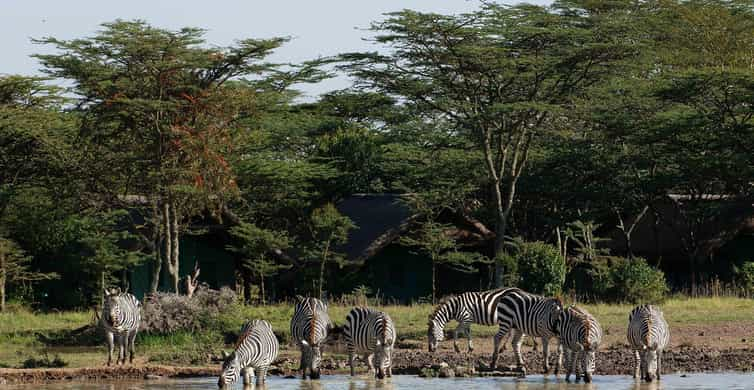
(541, 268)
(635, 281)
(169, 312)
(745, 276)
(509, 265)
(44, 362)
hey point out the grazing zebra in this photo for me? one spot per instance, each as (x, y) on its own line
(467, 308)
(256, 349)
(580, 336)
(371, 333)
(526, 314)
(648, 335)
(121, 315)
(309, 327)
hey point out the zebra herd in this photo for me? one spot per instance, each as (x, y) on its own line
(372, 334)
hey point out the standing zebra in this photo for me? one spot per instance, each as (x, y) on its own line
(372, 333)
(648, 335)
(580, 336)
(121, 315)
(256, 349)
(528, 314)
(309, 327)
(467, 308)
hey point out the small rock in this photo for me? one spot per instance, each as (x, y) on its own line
(152, 377)
(289, 377)
(463, 371)
(445, 371)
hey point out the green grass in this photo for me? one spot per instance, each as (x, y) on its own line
(22, 332)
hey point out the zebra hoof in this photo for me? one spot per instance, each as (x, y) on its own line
(588, 378)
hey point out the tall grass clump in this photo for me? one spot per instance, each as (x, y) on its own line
(169, 313)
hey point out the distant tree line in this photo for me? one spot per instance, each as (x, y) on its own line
(543, 123)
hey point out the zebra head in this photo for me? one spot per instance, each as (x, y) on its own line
(435, 334)
(312, 358)
(230, 370)
(650, 357)
(382, 358)
(553, 307)
(111, 311)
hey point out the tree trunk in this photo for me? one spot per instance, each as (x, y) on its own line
(246, 276)
(325, 253)
(174, 268)
(167, 236)
(434, 281)
(261, 289)
(501, 229)
(3, 278)
(157, 240)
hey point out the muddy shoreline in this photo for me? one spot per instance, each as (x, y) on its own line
(610, 361)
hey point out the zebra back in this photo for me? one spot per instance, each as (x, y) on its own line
(647, 328)
(579, 329)
(257, 344)
(475, 307)
(531, 314)
(310, 322)
(121, 312)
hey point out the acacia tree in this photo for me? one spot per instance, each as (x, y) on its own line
(501, 76)
(257, 247)
(328, 228)
(160, 118)
(14, 268)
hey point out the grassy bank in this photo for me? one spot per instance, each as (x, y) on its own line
(24, 334)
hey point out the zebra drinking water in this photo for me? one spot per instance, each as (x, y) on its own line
(648, 335)
(121, 315)
(580, 336)
(526, 314)
(371, 333)
(309, 327)
(256, 349)
(467, 308)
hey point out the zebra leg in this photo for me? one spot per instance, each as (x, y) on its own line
(468, 335)
(659, 363)
(579, 358)
(545, 354)
(501, 333)
(455, 337)
(261, 375)
(637, 364)
(110, 346)
(644, 367)
(301, 367)
(559, 361)
(351, 357)
(122, 337)
(131, 348)
(369, 358)
(568, 365)
(518, 339)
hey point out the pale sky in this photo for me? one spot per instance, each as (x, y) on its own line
(318, 28)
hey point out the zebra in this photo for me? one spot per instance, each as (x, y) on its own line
(372, 333)
(121, 316)
(309, 327)
(255, 350)
(467, 308)
(648, 335)
(580, 337)
(526, 314)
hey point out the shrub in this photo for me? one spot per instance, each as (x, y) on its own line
(541, 268)
(745, 276)
(169, 312)
(44, 362)
(509, 265)
(635, 281)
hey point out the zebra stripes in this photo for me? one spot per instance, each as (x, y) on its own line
(580, 337)
(121, 316)
(467, 308)
(371, 333)
(528, 314)
(648, 335)
(255, 350)
(309, 327)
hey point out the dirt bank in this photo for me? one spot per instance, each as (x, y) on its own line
(33, 375)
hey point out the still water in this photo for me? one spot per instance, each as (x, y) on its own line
(669, 382)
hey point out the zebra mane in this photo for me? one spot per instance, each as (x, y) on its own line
(444, 301)
(313, 322)
(245, 332)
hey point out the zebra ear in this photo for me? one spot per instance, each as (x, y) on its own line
(304, 342)
(299, 298)
(224, 354)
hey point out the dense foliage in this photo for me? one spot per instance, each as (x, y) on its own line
(589, 131)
